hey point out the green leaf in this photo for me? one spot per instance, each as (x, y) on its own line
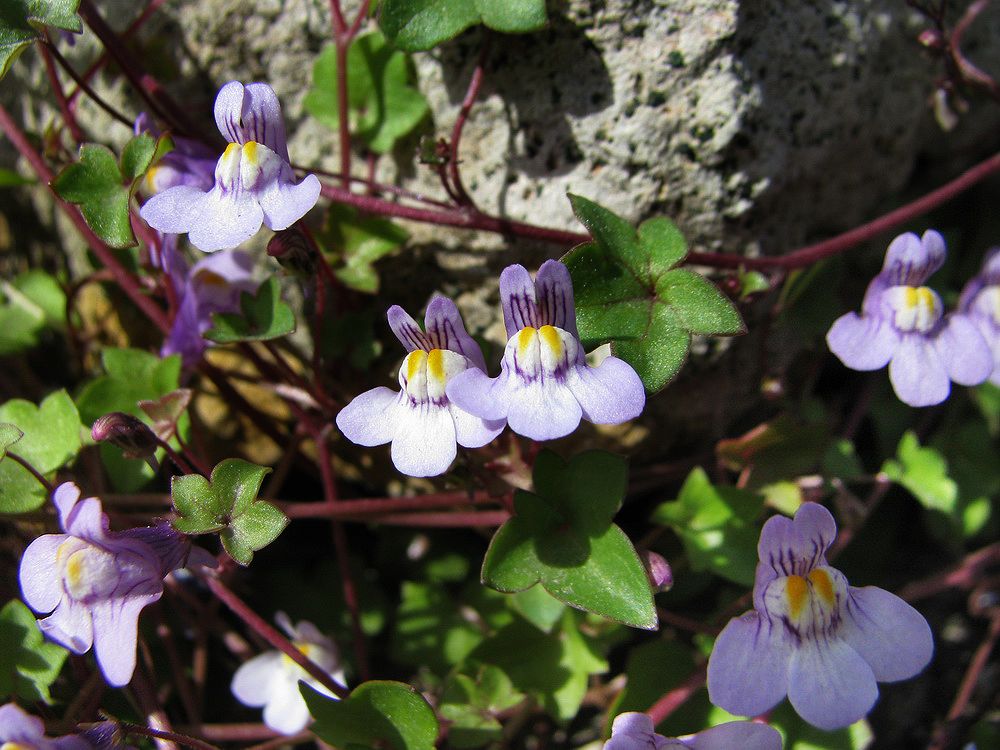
(555, 666)
(384, 106)
(29, 663)
(9, 434)
(470, 704)
(31, 303)
(10, 178)
(138, 155)
(538, 607)
(51, 439)
(264, 316)
(561, 535)
(629, 292)
(353, 243)
(431, 630)
(377, 714)
(924, 472)
(132, 376)
(421, 24)
(227, 503)
(21, 22)
(717, 526)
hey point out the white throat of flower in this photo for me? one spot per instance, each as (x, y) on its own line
(986, 304)
(542, 353)
(914, 308)
(247, 166)
(424, 375)
(87, 571)
(809, 606)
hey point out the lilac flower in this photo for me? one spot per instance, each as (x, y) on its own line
(812, 636)
(545, 385)
(189, 163)
(902, 324)
(22, 731)
(272, 679)
(95, 582)
(420, 421)
(980, 301)
(634, 731)
(253, 179)
(212, 285)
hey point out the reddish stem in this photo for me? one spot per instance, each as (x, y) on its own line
(50, 70)
(84, 87)
(180, 739)
(378, 506)
(256, 623)
(476, 519)
(456, 132)
(677, 697)
(31, 470)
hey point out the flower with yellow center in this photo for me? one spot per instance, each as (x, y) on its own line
(980, 301)
(810, 635)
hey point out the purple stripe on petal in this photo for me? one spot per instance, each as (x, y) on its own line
(748, 666)
(888, 633)
(829, 684)
(446, 330)
(963, 351)
(407, 330)
(917, 373)
(910, 260)
(228, 110)
(555, 296)
(794, 547)
(862, 343)
(517, 298)
(262, 121)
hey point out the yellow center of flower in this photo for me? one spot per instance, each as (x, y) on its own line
(797, 591)
(15, 746)
(250, 152)
(823, 586)
(424, 375)
(87, 570)
(310, 650)
(915, 308)
(807, 603)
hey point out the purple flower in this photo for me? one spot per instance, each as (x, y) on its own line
(272, 679)
(420, 421)
(545, 385)
(980, 301)
(22, 731)
(902, 324)
(213, 285)
(253, 179)
(812, 636)
(634, 731)
(189, 163)
(95, 582)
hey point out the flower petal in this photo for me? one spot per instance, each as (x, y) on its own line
(82, 518)
(472, 431)
(478, 394)
(829, 684)
(173, 211)
(19, 727)
(794, 547)
(963, 350)
(554, 290)
(223, 220)
(41, 586)
(543, 409)
(745, 735)
(862, 343)
(371, 418)
(888, 633)
(407, 330)
(517, 298)
(747, 671)
(632, 731)
(446, 330)
(251, 113)
(284, 202)
(917, 374)
(116, 625)
(71, 626)
(910, 260)
(424, 441)
(610, 393)
(286, 712)
(254, 681)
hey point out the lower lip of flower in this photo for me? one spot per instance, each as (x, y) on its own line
(88, 572)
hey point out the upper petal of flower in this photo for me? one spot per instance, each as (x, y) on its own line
(794, 546)
(862, 343)
(887, 632)
(748, 668)
(829, 684)
(251, 113)
(407, 330)
(80, 518)
(517, 298)
(910, 260)
(446, 330)
(554, 294)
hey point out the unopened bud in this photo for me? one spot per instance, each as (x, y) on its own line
(661, 577)
(292, 250)
(931, 39)
(124, 431)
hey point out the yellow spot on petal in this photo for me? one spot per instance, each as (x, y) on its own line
(149, 182)
(211, 278)
(435, 364)
(415, 363)
(524, 339)
(250, 151)
(14, 746)
(310, 650)
(910, 297)
(229, 153)
(823, 585)
(926, 299)
(550, 336)
(74, 569)
(797, 591)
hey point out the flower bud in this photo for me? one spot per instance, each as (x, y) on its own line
(124, 431)
(291, 249)
(661, 577)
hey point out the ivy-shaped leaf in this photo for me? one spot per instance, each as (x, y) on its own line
(102, 188)
(9, 434)
(51, 439)
(29, 304)
(227, 503)
(384, 106)
(264, 316)
(377, 714)
(470, 704)
(717, 526)
(353, 243)
(924, 472)
(29, 663)
(629, 291)
(133, 375)
(421, 24)
(21, 22)
(561, 536)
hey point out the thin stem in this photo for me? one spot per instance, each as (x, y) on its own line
(85, 87)
(256, 623)
(343, 109)
(180, 739)
(456, 132)
(381, 505)
(31, 470)
(964, 575)
(50, 70)
(677, 697)
(481, 519)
